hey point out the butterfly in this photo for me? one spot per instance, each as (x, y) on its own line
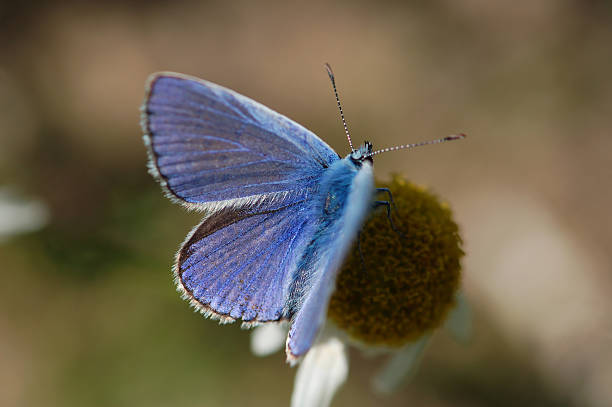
(281, 208)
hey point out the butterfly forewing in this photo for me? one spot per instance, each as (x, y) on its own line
(211, 145)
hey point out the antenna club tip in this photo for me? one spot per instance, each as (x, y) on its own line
(458, 136)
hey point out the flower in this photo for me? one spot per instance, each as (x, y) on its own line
(399, 284)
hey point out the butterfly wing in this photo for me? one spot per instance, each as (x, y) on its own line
(237, 263)
(210, 147)
(254, 172)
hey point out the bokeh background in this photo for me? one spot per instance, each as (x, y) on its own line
(88, 312)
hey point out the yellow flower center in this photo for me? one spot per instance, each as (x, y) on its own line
(406, 282)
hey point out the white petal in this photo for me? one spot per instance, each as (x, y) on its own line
(323, 370)
(267, 339)
(18, 215)
(401, 367)
(459, 321)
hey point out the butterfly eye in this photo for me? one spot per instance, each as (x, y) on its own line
(356, 158)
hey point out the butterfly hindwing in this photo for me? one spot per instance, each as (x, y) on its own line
(210, 146)
(237, 263)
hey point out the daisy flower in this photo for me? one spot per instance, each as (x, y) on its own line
(398, 286)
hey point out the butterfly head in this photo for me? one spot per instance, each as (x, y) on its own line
(363, 153)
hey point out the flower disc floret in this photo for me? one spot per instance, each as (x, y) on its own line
(404, 282)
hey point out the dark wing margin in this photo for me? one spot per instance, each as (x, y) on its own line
(237, 264)
(210, 147)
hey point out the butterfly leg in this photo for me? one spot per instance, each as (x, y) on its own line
(388, 192)
(387, 204)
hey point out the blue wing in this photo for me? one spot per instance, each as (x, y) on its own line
(211, 147)
(254, 171)
(237, 263)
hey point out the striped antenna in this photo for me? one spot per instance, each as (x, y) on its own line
(423, 143)
(333, 81)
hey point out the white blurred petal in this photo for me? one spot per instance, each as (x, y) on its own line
(321, 373)
(18, 215)
(459, 321)
(267, 339)
(402, 366)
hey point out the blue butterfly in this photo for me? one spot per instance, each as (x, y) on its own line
(282, 209)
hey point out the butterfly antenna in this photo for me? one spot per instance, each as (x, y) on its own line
(423, 143)
(333, 81)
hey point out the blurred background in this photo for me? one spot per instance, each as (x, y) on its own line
(88, 312)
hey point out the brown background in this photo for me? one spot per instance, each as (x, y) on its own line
(88, 312)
